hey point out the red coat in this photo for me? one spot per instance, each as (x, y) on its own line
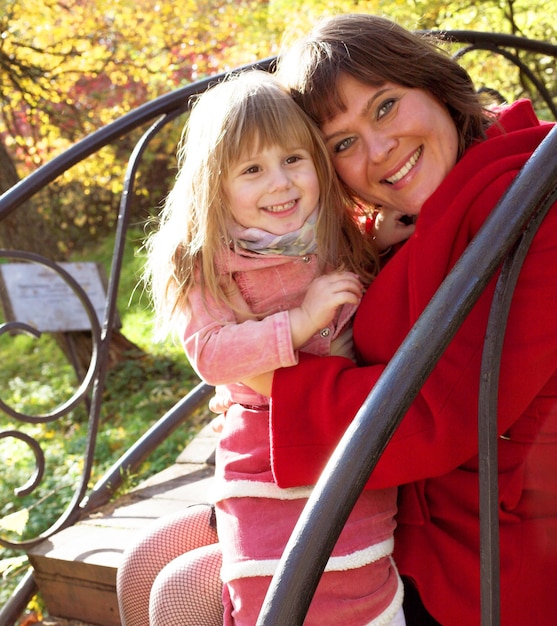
(433, 454)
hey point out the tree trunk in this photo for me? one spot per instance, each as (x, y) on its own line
(77, 347)
(23, 228)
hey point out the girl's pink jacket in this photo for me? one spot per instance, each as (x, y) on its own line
(254, 517)
(433, 454)
(220, 341)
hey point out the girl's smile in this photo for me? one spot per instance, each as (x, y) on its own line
(392, 145)
(275, 189)
(281, 208)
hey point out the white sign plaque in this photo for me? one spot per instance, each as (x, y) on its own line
(38, 296)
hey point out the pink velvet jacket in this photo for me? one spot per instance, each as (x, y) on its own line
(225, 346)
(254, 516)
(433, 453)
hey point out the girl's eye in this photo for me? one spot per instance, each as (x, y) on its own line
(343, 145)
(385, 108)
(252, 169)
(292, 159)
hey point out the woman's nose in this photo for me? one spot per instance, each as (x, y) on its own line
(379, 147)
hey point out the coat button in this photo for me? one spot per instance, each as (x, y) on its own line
(325, 332)
(306, 259)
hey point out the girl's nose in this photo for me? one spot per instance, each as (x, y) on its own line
(279, 179)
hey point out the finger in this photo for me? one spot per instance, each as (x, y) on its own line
(217, 424)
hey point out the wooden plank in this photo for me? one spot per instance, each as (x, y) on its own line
(76, 569)
(80, 600)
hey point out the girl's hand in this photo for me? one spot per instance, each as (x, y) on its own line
(325, 294)
(392, 227)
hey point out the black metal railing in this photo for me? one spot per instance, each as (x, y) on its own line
(504, 239)
(515, 219)
(289, 595)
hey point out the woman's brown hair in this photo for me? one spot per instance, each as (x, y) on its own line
(375, 50)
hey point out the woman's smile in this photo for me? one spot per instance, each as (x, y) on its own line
(405, 169)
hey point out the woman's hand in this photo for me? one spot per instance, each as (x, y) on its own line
(221, 403)
(392, 227)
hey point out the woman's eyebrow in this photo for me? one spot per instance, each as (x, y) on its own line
(368, 105)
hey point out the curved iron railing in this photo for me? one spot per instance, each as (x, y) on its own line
(158, 113)
(480, 41)
(351, 464)
(164, 110)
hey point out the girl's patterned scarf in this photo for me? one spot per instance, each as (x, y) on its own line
(296, 243)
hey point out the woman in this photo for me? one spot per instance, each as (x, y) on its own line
(406, 132)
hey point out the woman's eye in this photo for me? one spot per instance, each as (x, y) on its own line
(343, 145)
(385, 108)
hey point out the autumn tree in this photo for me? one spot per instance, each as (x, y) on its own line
(68, 67)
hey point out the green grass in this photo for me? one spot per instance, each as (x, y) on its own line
(35, 377)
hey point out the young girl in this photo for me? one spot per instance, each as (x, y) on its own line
(260, 254)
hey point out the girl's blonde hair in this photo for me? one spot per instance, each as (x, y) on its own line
(247, 109)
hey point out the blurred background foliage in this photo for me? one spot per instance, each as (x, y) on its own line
(67, 67)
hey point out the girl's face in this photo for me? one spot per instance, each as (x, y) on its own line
(274, 189)
(393, 145)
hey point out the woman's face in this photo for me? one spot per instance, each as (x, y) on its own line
(393, 145)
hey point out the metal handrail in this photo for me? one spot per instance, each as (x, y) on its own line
(349, 468)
